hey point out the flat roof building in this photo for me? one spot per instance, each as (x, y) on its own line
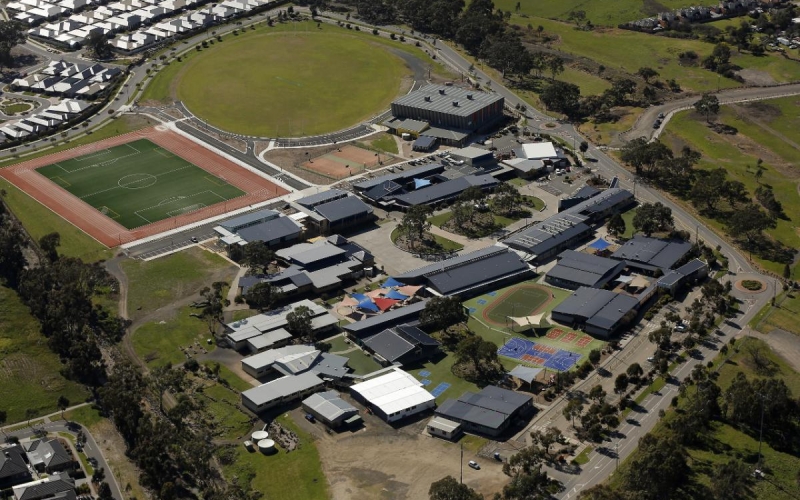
(450, 107)
(470, 274)
(472, 156)
(266, 226)
(599, 312)
(651, 254)
(334, 211)
(442, 427)
(283, 390)
(394, 396)
(489, 412)
(577, 269)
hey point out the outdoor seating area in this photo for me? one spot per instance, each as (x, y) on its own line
(391, 294)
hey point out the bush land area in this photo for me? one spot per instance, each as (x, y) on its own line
(30, 375)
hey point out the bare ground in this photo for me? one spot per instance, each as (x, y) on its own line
(113, 448)
(380, 462)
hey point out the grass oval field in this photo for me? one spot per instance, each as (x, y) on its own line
(290, 84)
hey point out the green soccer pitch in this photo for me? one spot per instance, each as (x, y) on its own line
(139, 183)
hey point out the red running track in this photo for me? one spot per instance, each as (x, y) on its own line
(110, 233)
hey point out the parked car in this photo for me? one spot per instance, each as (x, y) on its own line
(310, 417)
(194, 239)
(661, 116)
(474, 465)
(681, 328)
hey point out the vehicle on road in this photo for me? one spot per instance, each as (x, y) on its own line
(194, 239)
(474, 465)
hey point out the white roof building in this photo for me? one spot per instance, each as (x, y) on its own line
(394, 396)
(539, 150)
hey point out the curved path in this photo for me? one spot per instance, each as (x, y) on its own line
(644, 124)
(43, 105)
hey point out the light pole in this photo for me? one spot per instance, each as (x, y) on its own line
(761, 430)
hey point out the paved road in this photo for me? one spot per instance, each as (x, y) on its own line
(644, 124)
(91, 449)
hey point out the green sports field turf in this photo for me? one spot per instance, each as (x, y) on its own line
(520, 302)
(139, 183)
(288, 84)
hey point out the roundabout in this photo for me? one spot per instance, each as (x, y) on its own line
(291, 84)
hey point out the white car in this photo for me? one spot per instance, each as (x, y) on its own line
(559, 171)
(474, 465)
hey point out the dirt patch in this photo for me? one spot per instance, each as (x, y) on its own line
(113, 448)
(393, 464)
(762, 110)
(756, 77)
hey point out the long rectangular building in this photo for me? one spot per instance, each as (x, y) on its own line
(394, 396)
(450, 107)
(599, 312)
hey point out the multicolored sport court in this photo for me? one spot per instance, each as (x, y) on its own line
(539, 354)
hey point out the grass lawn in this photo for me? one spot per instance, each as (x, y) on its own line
(278, 97)
(85, 415)
(738, 154)
(741, 362)
(230, 377)
(39, 220)
(243, 314)
(441, 371)
(30, 375)
(16, 108)
(384, 143)
(159, 343)
(628, 218)
(441, 219)
(472, 443)
(288, 476)
(221, 403)
(338, 343)
(160, 282)
(784, 316)
(588, 83)
(628, 51)
(516, 181)
(603, 133)
(533, 202)
(600, 12)
(139, 183)
(444, 244)
(360, 362)
(583, 457)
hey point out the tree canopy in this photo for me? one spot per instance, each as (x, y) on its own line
(653, 217)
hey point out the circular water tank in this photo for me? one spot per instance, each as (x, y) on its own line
(266, 445)
(259, 435)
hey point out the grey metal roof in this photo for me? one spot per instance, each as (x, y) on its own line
(450, 263)
(282, 387)
(270, 338)
(383, 190)
(452, 134)
(317, 253)
(691, 267)
(585, 192)
(415, 335)
(388, 319)
(329, 405)
(49, 452)
(565, 226)
(422, 171)
(670, 278)
(55, 486)
(271, 230)
(12, 461)
(424, 142)
(477, 273)
(600, 308)
(319, 198)
(460, 411)
(661, 253)
(585, 269)
(445, 190)
(406, 124)
(442, 98)
(471, 152)
(343, 208)
(389, 345)
(243, 220)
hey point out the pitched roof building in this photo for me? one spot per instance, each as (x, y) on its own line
(394, 396)
(489, 412)
(577, 269)
(401, 345)
(13, 469)
(330, 408)
(599, 312)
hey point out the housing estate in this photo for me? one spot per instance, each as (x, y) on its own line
(49, 455)
(55, 487)
(13, 467)
(44, 121)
